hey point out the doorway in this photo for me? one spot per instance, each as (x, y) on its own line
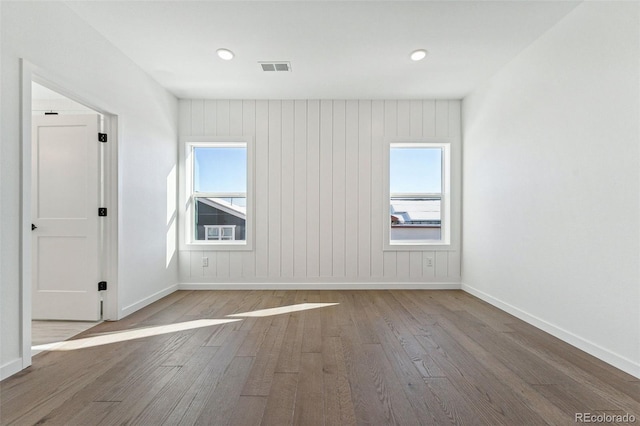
(42, 97)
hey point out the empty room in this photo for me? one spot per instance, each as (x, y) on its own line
(319, 212)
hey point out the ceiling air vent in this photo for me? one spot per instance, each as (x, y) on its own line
(275, 66)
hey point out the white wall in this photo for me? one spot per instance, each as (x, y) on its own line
(319, 209)
(67, 50)
(551, 184)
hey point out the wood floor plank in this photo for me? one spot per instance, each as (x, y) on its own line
(168, 399)
(376, 357)
(510, 379)
(96, 411)
(140, 394)
(329, 319)
(51, 385)
(140, 316)
(412, 307)
(487, 314)
(528, 366)
(458, 408)
(256, 335)
(397, 409)
(312, 336)
(496, 401)
(309, 405)
(341, 312)
(281, 400)
(366, 410)
(338, 401)
(208, 304)
(248, 411)
(392, 340)
(220, 334)
(357, 302)
(138, 369)
(178, 310)
(400, 324)
(377, 397)
(56, 331)
(576, 363)
(192, 402)
(259, 300)
(578, 399)
(289, 359)
(261, 376)
(219, 408)
(289, 297)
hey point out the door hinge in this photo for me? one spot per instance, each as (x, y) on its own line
(102, 211)
(102, 286)
(102, 137)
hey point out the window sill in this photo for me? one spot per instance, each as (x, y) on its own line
(436, 246)
(217, 246)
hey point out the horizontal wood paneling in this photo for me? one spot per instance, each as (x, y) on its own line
(318, 193)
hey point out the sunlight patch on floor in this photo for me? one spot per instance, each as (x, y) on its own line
(139, 333)
(89, 342)
(283, 310)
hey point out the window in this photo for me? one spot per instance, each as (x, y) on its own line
(417, 201)
(218, 189)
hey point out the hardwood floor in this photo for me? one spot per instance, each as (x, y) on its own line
(43, 332)
(376, 357)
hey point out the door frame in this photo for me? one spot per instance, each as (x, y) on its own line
(109, 264)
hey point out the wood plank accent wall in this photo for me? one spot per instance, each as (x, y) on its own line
(318, 191)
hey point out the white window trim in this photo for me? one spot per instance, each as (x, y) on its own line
(446, 204)
(187, 242)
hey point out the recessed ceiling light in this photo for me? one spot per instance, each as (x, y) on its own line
(225, 54)
(418, 55)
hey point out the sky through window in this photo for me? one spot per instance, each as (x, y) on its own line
(220, 169)
(415, 170)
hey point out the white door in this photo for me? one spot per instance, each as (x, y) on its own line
(65, 197)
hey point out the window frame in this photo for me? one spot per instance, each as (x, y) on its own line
(188, 195)
(446, 201)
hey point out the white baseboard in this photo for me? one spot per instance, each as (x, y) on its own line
(128, 310)
(319, 286)
(10, 368)
(624, 364)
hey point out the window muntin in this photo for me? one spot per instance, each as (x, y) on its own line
(418, 176)
(218, 195)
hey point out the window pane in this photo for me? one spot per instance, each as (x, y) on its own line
(415, 219)
(220, 169)
(415, 188)
(219, 215)
(415, 170)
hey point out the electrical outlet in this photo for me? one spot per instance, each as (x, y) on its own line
(428, 262)
(205, 262)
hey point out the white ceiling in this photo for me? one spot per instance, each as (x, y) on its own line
(344, 50)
